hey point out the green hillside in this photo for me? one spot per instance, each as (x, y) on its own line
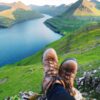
(66, 24)
(76, 16)
(19, 16)
(22, 15)
(84, 45)
(5, 22)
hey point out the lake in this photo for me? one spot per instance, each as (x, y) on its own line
(24, 39)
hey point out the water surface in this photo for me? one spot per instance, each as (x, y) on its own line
(24, 39)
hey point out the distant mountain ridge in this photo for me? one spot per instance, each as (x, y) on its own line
(51, 10)
(16, 5)
(20, 5)
(16, 12)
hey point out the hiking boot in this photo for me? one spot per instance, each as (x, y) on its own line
(50, 62)
(67, 73)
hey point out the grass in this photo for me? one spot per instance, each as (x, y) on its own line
(69, 23)
(66, 25)
(29, 77)
(27, 74)
(20, 78)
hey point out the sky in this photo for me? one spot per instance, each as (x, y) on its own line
(43, 2)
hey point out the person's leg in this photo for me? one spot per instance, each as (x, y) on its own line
(50, 64)
(51, 89)
(67, 73)
(58, 92)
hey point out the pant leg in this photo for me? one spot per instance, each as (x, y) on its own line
(57, 92)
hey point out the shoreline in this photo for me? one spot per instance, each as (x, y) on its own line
(53, 28)
(17, 22)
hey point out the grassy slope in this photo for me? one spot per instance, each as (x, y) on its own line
(27, 74)
(66, 25)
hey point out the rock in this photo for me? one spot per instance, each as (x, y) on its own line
(30, 93)
(94, 71)
(90, 65)
(3, 80)
(84, 94)
(84, 74)
(89, 84)
(98, 88)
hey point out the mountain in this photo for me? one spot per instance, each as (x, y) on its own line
(13, 7)
(97, 3)
(51, 10)
(83, 8)
(77, 15)
(20, 5)
(17, 12)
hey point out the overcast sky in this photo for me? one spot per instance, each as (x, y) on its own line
(43, 2)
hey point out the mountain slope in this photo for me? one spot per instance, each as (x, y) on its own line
(84, 46)
(83, 8)
(18, 12)
(19, 5)
(87, 8)
(13, 7)
(78, 15)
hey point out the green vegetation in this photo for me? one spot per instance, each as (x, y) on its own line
(20, 78)
(22, 15)
(27, 74)
(66, 24)
(19, 15)
(5, 22)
